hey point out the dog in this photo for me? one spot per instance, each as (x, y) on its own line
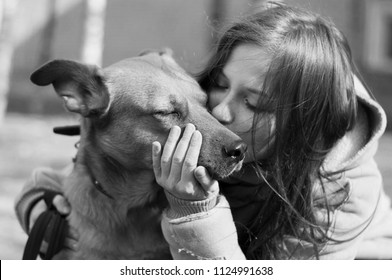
(116, 203)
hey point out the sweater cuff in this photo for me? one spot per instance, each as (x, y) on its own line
(181, 208)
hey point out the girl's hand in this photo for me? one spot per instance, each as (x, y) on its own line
(176, 169)
(64, 208)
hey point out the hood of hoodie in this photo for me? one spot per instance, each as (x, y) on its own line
(361, 142)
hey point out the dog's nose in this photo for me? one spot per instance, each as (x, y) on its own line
(236, 150)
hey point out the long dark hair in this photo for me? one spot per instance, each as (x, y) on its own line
(310, 82)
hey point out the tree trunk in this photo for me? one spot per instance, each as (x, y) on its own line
(7, 11)
(217, 14)
(46, 52)
(94, 30)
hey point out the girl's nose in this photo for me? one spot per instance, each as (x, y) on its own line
(222, 112)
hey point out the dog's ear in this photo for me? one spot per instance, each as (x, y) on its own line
(81, 86)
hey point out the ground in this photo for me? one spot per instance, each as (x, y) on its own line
(27, 142)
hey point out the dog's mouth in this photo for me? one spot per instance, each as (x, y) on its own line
(238, 166)
(220, 173)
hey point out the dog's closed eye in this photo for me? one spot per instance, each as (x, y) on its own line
(168, 113)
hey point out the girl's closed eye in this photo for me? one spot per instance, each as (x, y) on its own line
(249, 105)
(254, 100)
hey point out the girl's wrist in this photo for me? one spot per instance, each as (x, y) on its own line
(180, 207)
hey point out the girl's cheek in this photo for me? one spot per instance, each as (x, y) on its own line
(215, 97)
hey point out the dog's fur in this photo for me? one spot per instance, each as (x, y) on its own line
(124, 108)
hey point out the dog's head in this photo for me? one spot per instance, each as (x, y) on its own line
(132, 103)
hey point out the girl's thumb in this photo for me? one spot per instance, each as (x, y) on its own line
(208, 184)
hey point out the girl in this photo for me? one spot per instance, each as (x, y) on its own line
(283, 80)
(309, 188)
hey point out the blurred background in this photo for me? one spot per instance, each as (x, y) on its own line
(104, 31)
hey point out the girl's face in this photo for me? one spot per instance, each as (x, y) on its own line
(234, 98)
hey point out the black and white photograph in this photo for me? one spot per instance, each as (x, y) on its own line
(225, 130)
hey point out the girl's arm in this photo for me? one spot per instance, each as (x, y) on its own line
(193, 232)
(198, 223)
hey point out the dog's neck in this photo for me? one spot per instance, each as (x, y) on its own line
(126, 221)
(137, 187)
(123, 204)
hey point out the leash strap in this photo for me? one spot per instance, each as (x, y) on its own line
(50, 226)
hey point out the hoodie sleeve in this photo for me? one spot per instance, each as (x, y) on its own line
(41, 180)
(201, 229)
(361, 227)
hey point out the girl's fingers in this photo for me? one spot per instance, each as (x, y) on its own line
(209, 185)
(169, 149)
(156, 158)
(192, 155)
(176, 170)
(181, 152)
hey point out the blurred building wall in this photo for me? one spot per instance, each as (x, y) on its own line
(183, 25)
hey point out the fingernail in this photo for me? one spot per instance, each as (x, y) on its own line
(190, 126)
(198, 133)
(155, 147)
(199, 171)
